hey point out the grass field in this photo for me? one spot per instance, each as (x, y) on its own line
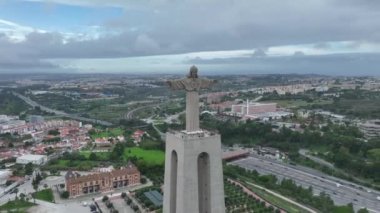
(46, 195)
(99, 155)
(151, 157)
(16, 206)
(108, 133)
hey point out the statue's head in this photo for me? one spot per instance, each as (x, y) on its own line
(193, 72)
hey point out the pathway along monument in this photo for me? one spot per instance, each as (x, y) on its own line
(193, 158)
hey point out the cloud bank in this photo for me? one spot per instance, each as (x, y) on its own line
(168, 27)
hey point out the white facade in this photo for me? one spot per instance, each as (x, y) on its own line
(370, 129)
(4, 175)
(34, 159)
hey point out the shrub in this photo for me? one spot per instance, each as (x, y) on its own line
(109, 205)
(65, 194)
(143, 180)
(123, 194)
(105, 198)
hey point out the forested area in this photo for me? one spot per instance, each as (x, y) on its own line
(344, 147)
(11, 105)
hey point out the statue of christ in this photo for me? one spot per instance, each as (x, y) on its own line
(192, 84)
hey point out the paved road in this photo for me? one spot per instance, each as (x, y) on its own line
(341, 191)
(130, 114)
(57, 112)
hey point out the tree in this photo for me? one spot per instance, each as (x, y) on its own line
(15, 191)
(135, 207)
(129, 201)
(65, 194)
(54, 132)
(109, 205)
(123, 195)
(143, 180)
(35, 186)
(22, 196)
(363, 211)
(93, 156)
(38, 178)
(117, 151)
(105, 198)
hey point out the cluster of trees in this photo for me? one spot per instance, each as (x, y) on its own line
(11, 105)
(239, 201)
(21, 170)
(15, 137)
(51, 140)
(346, 149)
(355, 103)
(129, 202)
(54, 132)
(309, 96)
(109, 204)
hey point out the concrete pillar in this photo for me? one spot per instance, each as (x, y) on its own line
(197, 186)
(192, 111)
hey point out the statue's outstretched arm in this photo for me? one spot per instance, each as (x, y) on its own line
(206, 83)
(175, 84)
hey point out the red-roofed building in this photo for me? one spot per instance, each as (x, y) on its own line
(78, 185)
(137, 135)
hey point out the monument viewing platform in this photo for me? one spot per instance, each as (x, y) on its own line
(194, 134)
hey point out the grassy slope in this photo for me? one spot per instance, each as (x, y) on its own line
(45, 194)
(152, 157)
(19, 205)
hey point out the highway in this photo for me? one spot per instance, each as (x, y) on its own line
(341, 191)
(130, 114)
(60, 113)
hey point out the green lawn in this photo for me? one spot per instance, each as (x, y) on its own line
(18, 206)
(99, 155)
(63, 162)
(45, 194)
(151, 157)
(108, 133)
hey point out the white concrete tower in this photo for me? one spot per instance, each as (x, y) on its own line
(193, 159)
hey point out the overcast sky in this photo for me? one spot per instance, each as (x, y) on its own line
(340, 37)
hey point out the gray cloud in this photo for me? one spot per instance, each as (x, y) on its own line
(259, 53)
(338, 64)
(171, 27)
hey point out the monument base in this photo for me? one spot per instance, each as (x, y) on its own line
(193, 173)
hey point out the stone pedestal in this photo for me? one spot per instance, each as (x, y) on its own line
(193, 173)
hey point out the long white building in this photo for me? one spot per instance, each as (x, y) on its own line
(34, 159)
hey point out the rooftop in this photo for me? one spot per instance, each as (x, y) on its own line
(31, 157)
